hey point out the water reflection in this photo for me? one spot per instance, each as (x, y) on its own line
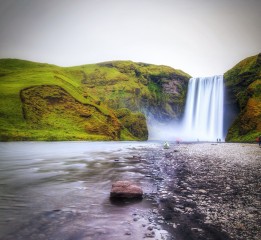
(60, 190)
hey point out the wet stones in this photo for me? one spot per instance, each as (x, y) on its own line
(215, 191)
(125, 189)
(202, 191)
(149, 234)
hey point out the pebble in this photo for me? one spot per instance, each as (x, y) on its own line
(150, 228)
(155, 211)
(150, 234)
(221, 183)
(202, 191)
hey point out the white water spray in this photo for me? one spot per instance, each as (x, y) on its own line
(203, 118)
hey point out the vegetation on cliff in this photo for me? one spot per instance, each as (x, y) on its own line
(147, 88)
(243, 82)
(105, 101)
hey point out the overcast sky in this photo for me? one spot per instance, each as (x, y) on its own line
(201, 37)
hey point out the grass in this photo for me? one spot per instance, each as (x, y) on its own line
(99, 88)
(105, 101)
(17, 75)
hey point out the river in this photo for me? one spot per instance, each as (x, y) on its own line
(60, 190)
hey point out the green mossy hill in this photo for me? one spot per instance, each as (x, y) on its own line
(46, 107)
(47, 102)
(243, 83)
(157, 90)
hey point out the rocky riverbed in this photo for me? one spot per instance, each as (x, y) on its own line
(207, 191)
(61, 190)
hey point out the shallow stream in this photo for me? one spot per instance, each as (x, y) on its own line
(60, 190)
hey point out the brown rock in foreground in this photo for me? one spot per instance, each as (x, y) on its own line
(125, 189)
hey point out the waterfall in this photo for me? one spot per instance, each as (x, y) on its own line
(203, 116)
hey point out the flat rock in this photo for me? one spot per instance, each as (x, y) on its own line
(125, 189)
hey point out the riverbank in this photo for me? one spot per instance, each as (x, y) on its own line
(61, 190)
(208, 191)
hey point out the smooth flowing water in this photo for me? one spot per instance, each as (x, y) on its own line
(60, 190)
(203, 118)
(203, 115)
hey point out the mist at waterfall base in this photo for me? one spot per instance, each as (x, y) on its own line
(203, 115)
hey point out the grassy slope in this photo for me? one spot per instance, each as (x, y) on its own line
(17, 75)
(113, 85)
(244, 84)
(50, 106)
(104, 87)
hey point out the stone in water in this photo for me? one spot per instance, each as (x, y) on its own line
(125, 189)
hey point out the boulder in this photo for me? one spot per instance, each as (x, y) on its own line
(125, 189)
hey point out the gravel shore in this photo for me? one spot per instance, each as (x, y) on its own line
(208, 191)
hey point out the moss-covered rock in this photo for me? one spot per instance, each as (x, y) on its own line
(135, 123)
(243, 83)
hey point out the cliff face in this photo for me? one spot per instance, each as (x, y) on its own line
(243, 83)
(157, 91)
(105, 101)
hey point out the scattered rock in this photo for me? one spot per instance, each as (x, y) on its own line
(155, 211)
(211, 192)
(202, 191)
(150, 228)
(125, 189)
(149, 234)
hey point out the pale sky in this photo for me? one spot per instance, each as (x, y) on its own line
(200, 37)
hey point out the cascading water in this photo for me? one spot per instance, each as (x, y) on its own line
(203, 117)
